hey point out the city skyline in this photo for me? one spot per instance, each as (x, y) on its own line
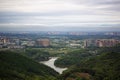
(62, 15)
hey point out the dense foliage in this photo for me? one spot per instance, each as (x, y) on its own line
(36, 54)
(74, 57)
(14, 66)
(102, 67)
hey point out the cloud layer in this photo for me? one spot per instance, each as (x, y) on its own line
(63, 15)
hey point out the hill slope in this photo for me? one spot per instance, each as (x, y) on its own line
(103, 67)
(14, 66)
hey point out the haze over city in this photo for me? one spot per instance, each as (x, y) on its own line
(59, 15)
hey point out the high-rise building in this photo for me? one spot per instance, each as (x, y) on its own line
(43, 42)
(107, 42)
(89, 43)
(101, 42)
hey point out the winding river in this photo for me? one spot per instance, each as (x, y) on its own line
(50, 63)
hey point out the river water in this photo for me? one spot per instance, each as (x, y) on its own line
(50, 63)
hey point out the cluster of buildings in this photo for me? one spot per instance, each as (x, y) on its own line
(16, 43)
(101, 42)
(9, 43)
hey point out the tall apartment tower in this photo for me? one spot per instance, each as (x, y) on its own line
(43, 42)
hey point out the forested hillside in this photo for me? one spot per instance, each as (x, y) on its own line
(83, 64)
(14, 66)
(105, 66)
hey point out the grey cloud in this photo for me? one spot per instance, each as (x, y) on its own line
(55, 13)
(96, 2)
(112, 8)
(110, 4)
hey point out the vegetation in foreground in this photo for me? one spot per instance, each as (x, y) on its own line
(85, 64)
(102, 67)
(14, 66)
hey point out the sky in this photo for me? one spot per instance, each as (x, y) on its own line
(59, 15)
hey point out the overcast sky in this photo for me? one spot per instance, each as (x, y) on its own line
(59, 15)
